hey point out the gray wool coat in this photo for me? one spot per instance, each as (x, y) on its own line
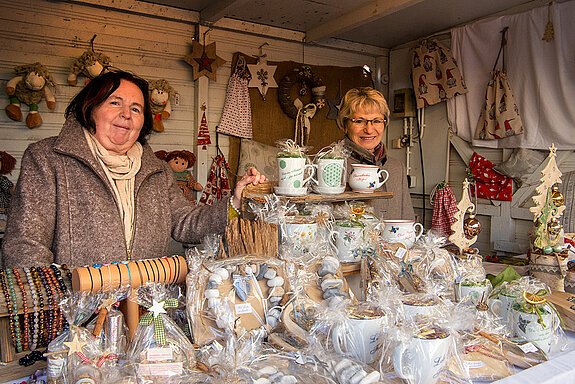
(399, 206)
(64, 209)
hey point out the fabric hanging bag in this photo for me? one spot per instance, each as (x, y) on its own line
(237, 113)
(499, 117)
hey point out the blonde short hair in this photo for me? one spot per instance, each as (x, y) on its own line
(364, 98)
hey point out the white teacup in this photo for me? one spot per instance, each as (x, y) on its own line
(360, 337)
(527, 326)
(476, 291)
(291, 172)
(330, 177)
(300, 234)
(419, 308)
(421, 360)
(366, 178)
(406, 232)
(347, 238)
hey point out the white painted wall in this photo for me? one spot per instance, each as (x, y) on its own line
(151, 41)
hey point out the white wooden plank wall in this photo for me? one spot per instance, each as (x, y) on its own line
(151, 43)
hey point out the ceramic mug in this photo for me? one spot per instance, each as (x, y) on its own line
(527, 326)
(406, 232)
(346, 238)
(329, 176)
(291, 172)
(415, 308)
(476, 291)
(501, 305)
(366, 178)
(421, 360)
(360, 337)
(300, 234)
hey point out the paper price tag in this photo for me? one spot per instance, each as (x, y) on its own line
(243, 308)
(165, 369)
(528, 347)
(474, 364)
(159, 354)
(400, 252)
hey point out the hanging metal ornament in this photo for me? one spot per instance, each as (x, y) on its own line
(554, 227)
(471, 226)
(556, 196)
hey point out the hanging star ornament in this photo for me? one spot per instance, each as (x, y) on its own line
(75, 346)
(262, 77)
(157, 308)
(204, 60)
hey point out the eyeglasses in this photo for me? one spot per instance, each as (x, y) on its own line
(360, 123)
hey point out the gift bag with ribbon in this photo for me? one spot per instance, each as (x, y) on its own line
(218, 185)
(444, 210)
(499, 117)
(159, 348)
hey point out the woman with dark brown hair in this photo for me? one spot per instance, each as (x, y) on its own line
(96, 193)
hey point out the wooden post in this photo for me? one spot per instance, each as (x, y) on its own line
(6, 348)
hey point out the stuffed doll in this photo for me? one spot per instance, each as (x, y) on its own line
(160, 94)
(90, 64)
(180, 161)
(7, 164)
(31, 84)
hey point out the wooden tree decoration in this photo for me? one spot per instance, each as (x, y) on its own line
(204, 133)
(548, 206)
(458, 236)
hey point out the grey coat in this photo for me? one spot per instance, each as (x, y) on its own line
(399, 206)
(64, 209)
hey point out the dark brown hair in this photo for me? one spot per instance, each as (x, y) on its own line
(98, 90)
(8, 163)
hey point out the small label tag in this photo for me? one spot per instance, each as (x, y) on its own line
(400, 252)
(243, 308)
(474, 364)
(528, 347)
(164, 369)
(160, 354)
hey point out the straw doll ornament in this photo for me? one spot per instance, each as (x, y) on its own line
(180, 162)
(31, 84)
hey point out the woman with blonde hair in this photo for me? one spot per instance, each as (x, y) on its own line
(363, 117)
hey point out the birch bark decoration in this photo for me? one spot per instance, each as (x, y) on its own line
(465, 205)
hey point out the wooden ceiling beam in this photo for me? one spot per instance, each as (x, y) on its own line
(219, 9)
(357, 18)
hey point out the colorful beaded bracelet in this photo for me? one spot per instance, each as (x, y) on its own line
(25, 325)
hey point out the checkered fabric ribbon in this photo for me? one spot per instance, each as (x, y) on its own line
(444, 210)
(159, 330)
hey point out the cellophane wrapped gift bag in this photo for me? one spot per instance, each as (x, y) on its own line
(159, 349)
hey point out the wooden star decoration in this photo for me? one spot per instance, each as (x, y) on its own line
(75, 345)
(262, 77)
(204, 60)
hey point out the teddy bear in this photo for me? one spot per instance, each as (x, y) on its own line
(160, 94)
(90, 64)
(7, 164)
(180, 161)
(31, 83)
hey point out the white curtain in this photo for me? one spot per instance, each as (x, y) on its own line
(542, 75)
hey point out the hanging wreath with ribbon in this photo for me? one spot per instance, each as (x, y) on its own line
(307, 81)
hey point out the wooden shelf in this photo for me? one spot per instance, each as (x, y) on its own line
(315, 198)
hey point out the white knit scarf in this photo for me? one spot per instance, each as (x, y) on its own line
(121, 172)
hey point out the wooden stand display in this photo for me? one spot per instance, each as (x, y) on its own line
(130, 274)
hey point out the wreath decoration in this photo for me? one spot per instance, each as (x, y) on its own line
(307, 81)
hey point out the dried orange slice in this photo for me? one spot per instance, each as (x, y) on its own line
(357, 210)
(533, 299)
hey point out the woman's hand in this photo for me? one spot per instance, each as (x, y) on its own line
(251, 176)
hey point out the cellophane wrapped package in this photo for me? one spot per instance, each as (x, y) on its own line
(76, 354)
(159, 350)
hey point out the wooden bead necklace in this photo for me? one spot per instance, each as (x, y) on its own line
(58, 275)
(25, 326)
(42, 318)
(12, 310)
(58, 316)
(36, 315)
(50, 312)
